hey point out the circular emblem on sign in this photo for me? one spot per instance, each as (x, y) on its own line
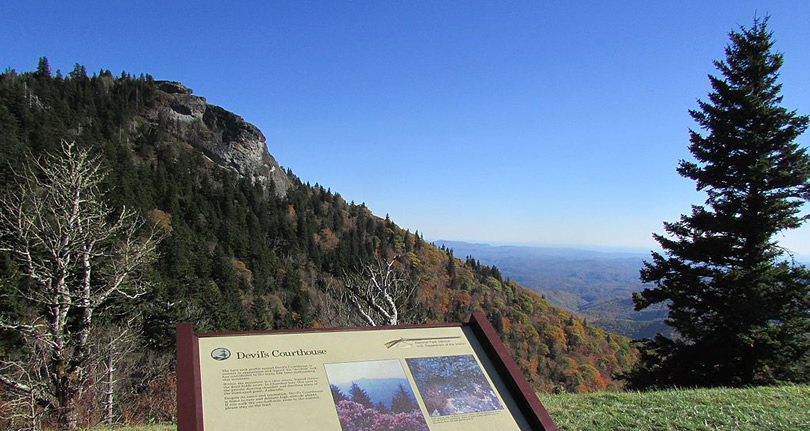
(220, 354)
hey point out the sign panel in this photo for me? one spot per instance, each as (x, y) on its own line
(427, 378)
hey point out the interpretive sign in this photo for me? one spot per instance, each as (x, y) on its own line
(405, 378)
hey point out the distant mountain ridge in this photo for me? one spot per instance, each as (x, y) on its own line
(597, 285)
(378, 390)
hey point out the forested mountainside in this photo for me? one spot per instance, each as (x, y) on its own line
(249, 246)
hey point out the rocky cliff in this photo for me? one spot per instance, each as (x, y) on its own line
(222, 136)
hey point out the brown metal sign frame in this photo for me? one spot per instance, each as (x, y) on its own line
(527, 407)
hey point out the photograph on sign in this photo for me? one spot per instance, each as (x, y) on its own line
(452, 385)
(374, 395)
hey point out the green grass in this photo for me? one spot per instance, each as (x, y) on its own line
(780, 408)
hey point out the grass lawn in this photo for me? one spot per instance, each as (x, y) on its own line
(779, 408)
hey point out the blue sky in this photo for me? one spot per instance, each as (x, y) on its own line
(534, 122)
(345, 373)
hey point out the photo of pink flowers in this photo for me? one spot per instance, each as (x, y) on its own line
(374, 396)
(451, 385)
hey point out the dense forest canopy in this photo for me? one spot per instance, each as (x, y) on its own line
(239, 254)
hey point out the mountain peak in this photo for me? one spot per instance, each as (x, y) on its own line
(224, 137)
(173, 87)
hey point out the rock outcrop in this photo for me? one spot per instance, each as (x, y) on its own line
(224, 137)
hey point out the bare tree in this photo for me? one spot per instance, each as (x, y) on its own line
(111, 345)
(377, 293)
(77, 254)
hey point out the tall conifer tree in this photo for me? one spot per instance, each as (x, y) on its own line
(360, 396)
(740, 306)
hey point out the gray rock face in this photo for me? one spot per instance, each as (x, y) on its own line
(224, 137)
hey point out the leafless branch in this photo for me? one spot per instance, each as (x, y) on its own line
(377, 292)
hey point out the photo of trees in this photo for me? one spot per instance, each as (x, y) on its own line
(374, 396)
(452, 385)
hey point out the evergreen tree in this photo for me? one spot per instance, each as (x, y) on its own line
(43, 68)
(337, 394)
(403, 402)
(360, 396)
(740, 307)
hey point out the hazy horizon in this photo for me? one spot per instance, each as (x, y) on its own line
(578, 247)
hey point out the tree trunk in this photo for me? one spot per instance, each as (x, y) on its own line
(67, 416)
(109, 392)
(33, 419)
